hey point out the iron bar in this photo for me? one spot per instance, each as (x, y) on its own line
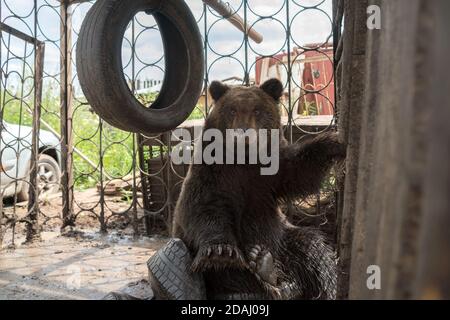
(235, 19)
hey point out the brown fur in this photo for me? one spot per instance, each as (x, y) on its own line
(224, 210)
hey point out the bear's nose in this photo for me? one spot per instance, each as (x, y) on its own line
(241, 130)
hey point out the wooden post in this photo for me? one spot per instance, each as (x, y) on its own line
(433, 271)
(349, 99)
(395, 119)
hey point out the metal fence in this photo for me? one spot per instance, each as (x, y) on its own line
(110, 178)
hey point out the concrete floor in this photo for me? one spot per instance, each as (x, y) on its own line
(85, 265)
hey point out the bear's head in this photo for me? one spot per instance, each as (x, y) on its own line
(245, 108)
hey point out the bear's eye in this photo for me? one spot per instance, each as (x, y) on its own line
(256, 112)
(233, 112)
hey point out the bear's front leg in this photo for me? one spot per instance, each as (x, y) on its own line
(303, 165)
(214, 242)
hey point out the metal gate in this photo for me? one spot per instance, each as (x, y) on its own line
(109, 178)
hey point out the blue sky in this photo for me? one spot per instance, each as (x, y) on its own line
(307, 26)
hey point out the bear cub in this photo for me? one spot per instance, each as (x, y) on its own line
(229, 215)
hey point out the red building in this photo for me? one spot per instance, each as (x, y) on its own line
(312, 89)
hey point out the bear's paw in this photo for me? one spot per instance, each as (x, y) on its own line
(218, 257)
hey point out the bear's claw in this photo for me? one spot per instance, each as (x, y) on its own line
(218, 256)
(220, 249)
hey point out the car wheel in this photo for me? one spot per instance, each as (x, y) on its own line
(49, 177)
(100, 69)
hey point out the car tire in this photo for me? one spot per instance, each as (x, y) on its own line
(52, 187)
(100, 70)
(170, 275)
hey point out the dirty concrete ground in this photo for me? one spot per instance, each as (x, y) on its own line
(84, 265)
(81, 264)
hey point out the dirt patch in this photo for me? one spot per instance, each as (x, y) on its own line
(118, 214)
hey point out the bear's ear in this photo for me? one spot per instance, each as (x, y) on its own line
(273, 88)
(217, 89)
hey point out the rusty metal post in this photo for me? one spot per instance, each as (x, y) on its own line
(66, 115)
(103, 228)
(33, 202)
(33, 198)
(135, 188)
(235, 19)
(134, 205)
(289, 76)
(166, 139)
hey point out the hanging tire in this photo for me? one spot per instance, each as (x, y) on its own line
(100, 70)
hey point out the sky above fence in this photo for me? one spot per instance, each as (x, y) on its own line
(309, 24)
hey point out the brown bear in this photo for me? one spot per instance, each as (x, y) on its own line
(229, 215)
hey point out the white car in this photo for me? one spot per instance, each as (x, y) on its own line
(15, 156)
